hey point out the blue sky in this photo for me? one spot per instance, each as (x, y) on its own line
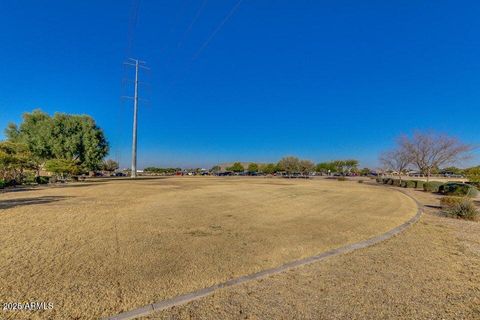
(318, 79)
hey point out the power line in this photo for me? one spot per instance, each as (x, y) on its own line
(132, 25)
(214, 33)
(174, 26)
(192, 23)
(206, 42)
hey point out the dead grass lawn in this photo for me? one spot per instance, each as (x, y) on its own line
(99, 249)
(430, 271)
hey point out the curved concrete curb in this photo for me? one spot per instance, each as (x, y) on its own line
(195, 295)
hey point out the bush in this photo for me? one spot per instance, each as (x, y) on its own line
(379, 180)
(458, 189)
(10, 183)
(341, 179)
(419, 184)
(409, 184)
(448, 202)
(463, 208)
(7, 183)
(432, 186)
(360, 181)
(30, 178)
(42, 179)
(396, 182)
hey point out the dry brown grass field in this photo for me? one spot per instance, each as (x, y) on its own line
(96, 249)
(430, 271)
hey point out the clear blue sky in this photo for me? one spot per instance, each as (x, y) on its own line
(317, 79)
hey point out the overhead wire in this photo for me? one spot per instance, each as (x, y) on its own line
(217, 29)
(206, 43)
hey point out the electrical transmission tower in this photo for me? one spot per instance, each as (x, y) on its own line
(137, 64)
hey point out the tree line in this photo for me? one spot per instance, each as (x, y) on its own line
(287, 165)
(295, 165)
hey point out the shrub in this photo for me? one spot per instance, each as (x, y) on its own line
(30, 178)
(379, 180)
(396, 182)
(463, 208)
(448, 201)
(409, 184)
(42, 179)
(7, 183)
(458, 189)
(419, 184)
(341, 179)
(360, 181)
(432, 186)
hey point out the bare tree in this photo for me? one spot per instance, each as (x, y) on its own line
(430, 150)
(396, 160)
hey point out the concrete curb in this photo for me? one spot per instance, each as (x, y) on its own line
(195, 295)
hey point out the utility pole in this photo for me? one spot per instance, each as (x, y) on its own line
(134, 134)
(137, 64)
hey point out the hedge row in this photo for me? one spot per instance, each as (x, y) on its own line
(432, 186)
(458, 189)
(449, 188)
(401, 183)
(13, 182)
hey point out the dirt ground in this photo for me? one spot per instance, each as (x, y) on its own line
(430, 271)
(97, 249)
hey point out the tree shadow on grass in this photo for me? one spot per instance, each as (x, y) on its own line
(12, 203)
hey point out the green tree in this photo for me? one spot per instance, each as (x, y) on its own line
(216, 169)
(110, 165)
(339, 166)
(62, 167)
(35, 132)
(351, 165)
(269, 168)
(63, 136)
(365, 171)
(473, 174)
(77, 137)
(453, 170)
(15, 158)
(236, 167)
(252, 167)
(306, 166)
(289, 165)
(325, 167)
